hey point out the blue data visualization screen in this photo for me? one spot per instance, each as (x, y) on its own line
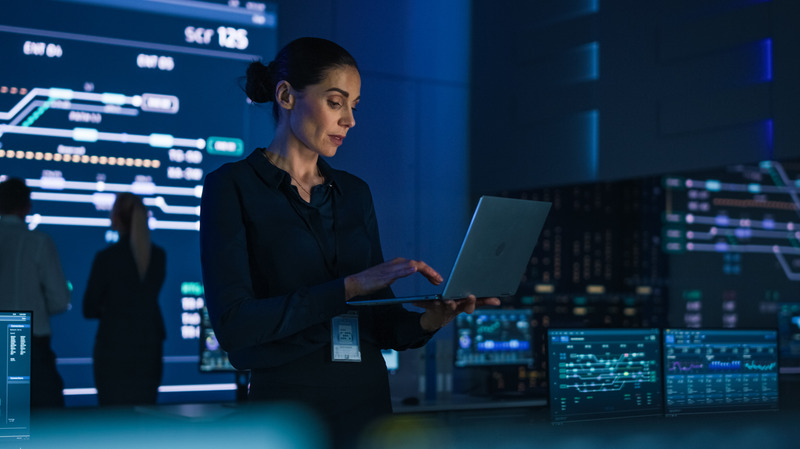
(604, 373)
(143, 96)
(721, 370)
(494, 337)
(731, 235)
(789, 338)
(15, 369)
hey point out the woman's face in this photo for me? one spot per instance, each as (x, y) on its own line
(323, 113)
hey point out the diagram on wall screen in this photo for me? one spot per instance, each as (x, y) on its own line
(733, 236)
(134, 97)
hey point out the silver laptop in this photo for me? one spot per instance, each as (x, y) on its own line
(494, 254)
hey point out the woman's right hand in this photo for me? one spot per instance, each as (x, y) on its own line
(381, 276)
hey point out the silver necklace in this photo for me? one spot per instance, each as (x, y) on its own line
(267, 155)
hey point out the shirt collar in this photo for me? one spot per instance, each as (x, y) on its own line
(11, 219)
(274, 176)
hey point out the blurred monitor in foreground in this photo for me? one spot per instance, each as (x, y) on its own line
(15, 369)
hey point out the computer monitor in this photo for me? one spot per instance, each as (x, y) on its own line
(494, 337)
(15, 394)
(720, 370)
(789, 337)
(604, 373)
(392, 359)
(212, 357)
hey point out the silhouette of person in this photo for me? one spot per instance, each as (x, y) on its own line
(122, 292)
(31, 278)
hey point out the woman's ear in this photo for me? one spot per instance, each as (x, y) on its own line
(284, 95)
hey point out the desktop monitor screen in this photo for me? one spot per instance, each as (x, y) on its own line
(212, 357)
(789, 336)
(604, 373)
(392, 359)
(494, 337)
(15, 396)
(721, 370)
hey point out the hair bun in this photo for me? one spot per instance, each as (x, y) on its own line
(260, 85)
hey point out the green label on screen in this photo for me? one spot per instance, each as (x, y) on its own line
(225, 146)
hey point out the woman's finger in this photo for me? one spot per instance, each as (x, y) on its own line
(426, 270)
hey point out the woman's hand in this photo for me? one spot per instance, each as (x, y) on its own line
(381, 276)
(439, 313)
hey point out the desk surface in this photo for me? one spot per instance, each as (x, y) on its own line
(466, 425)
(463, 402)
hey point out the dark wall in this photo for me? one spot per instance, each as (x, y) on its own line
(580, 91)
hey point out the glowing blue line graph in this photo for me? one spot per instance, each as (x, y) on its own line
(678, 366)
(756, 367)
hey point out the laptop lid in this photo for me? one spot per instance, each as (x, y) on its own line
(494, 254)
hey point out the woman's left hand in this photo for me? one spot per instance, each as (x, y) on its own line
(439, 313)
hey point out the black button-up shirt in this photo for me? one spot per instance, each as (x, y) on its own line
(274, 272)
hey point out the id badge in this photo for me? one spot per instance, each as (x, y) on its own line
(345, 345)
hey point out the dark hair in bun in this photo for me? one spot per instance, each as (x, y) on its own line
(302, 62)
(258, 78)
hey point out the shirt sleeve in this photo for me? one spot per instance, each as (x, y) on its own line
(53, 282)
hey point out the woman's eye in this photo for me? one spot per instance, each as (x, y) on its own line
(334, 104)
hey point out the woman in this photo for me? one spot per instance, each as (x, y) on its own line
(286, 240)
(122, 292)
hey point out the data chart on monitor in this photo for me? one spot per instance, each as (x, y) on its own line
(494, 337)
(720, 370)
(15, 372)
(604, 373)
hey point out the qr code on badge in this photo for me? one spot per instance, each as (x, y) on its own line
(346, 334)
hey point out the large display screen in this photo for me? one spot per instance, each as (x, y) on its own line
(731, 235)
(720, 370)
(604, 373)
(142, 96)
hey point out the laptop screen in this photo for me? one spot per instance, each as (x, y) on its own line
(15, 368)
